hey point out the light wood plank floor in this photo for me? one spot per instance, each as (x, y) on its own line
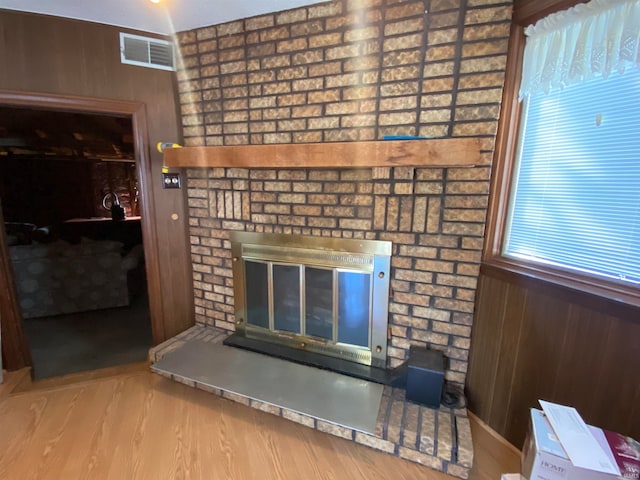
(137, 425)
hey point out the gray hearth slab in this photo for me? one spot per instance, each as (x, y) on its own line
(325, 395)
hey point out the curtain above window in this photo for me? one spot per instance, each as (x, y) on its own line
(586, 41)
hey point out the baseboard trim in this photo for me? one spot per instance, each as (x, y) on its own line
(499, 438)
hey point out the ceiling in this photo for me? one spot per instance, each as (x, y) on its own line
(167, 17)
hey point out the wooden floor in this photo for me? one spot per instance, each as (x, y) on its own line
(137, 425)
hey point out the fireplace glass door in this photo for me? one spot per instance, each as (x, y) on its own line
(257, 294)
(318, 312)
(330, 302)
(353, 311)
(330, 305)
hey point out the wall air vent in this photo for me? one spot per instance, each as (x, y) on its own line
(146, 52)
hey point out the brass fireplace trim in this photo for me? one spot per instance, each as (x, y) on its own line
(367, 256)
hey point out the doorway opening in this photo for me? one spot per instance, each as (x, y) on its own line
(74, 221)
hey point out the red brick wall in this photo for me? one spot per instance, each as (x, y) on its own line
(343, 71)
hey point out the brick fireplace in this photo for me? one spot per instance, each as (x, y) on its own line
(351, 70)
(433, 273)
(341, 71)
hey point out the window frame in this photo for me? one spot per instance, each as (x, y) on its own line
(527, 12)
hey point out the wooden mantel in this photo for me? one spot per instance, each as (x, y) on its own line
(442, 152)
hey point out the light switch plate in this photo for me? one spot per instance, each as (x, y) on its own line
(171, 180)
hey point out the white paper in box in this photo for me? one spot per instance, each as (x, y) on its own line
(577, 440)
(544, 456)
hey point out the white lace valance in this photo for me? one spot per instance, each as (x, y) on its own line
(577, 44)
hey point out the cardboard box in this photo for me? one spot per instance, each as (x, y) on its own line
(546, 457)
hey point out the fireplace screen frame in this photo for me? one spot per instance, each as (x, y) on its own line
(371, 257)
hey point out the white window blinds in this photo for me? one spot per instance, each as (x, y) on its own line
(575, 202)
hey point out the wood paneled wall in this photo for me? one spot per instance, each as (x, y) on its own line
(532, 341)
(66, 57)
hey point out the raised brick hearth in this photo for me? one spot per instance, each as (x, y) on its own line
(439, 439)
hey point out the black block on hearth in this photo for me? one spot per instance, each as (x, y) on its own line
(425, 376)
